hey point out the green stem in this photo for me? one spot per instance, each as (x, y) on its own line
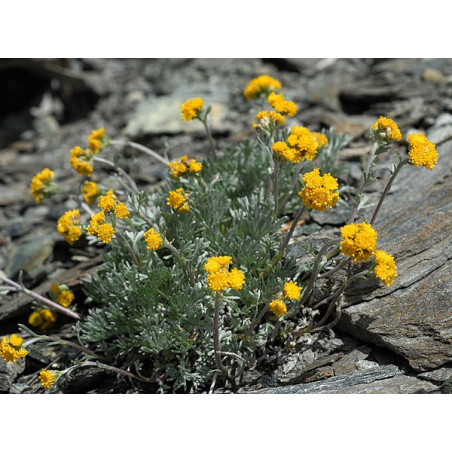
(292, 186)
(119, 170)
(141, 148)
(216, 335)
(209, 137)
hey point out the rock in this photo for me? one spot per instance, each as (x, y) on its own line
(437, 376)
(161, 115)
(413, 317)
(9, 372)
(354, 125)
(379, 380)
(432, 75)
(20, 388)
(348, 362)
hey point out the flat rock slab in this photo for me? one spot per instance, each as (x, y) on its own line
(379, 380)
(413, 317)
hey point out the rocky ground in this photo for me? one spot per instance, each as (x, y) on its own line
(388, 340)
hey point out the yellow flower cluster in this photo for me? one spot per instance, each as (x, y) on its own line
(95, 140)
(291, 291)
(319, 192)
(219, 277)
(320, 139)
(386, 269)
(264, 84)
(153, 239)
(90, 190)
(81, 160)
(43, 318)
(265, 118)
(178, 199)
(278, 307)
(388, 127)
(302, 146)
(40, 184)
(69, 226)
(281, 105)
(99, 228)
(11, 348)
(47, 378)
(61, 294)
(191, 109)
(184, 164)
(110, 203)
(421, 152)
(359, 241)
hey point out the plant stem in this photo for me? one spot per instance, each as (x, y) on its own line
(276, 188)
(338, 267)
(117, 168)
(216, 335)
(178, 255)
(387, 188)
(40, 298)
(209, 137)
(140, 147)
(135, 258)
(291, 230)
(292, 186)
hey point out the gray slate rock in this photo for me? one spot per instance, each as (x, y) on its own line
(9, 372)
(413, 317)
(380, 380)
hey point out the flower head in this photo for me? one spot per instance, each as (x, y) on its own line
(359, 241)
(43, 318)
(153, 239)
(292, 290)
(98, 227)
(121, 210)
(388, 128)
(69, 226)
(219, 277)
(95, 140)
(81, 160)
(178, 199)
(61, 294)
(302, 140)
(266, 119)
(191, 109)
(47, 378)
(41, 185)
(278, 307)
(184, 165)
(11, 348)
(385, 268)
(105, 233)
(90, 190)
(110, 203)
(321, 139)
(421, 152)
(262, 85)
(281, 105)
(319, 192)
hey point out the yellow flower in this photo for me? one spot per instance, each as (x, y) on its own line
(285, 152)
(278, 307)
(219, 277)
(218, 281)
(388, 127)
(385, 269)
(65, 298)
(292, 290)
(69, 226)
(177, 199)
(43, 318)
(153, 239)
(95, 140)
(267, 118)
(40, 185)
(236, 279)
(183, 165)
(121, 210)
(47, 378)
(302, 140)
(359, 241)
(191, 109)
(15, 340)
(11, 348)
(81, 160)
(95, 221)
(421, 152)
(264, 84)
(105, 232)
(90, 190)
(319, 191)
(321, 139)
(107, 201)
(281, 105)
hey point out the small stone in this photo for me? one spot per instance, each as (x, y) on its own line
(433, 75)
(364, 364)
